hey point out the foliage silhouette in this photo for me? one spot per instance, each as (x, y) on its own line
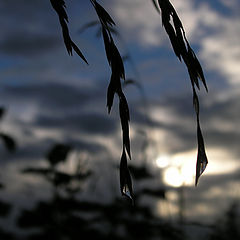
(176, 33)
(58, 154)
(183, 51)
(69, 182)
(67, 216)
(5, 210)
(228, 226)
(117, 68)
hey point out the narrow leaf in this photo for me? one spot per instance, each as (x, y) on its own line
(125, 177)
(79, 53)
(110, 93)
(59, 6)
(103, 14)
(202, 160)
(124, 116)
(155, 5)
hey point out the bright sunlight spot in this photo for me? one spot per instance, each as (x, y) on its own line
(178, 169)
(163, 161)
(173, 177)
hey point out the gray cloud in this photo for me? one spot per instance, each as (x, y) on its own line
(52, 97)
(28, 44)
(219, 121)
(88, 123)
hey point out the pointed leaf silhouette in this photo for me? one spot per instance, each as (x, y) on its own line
(9, 142)
(202, 160)
(195, 102)
(124, 116)
(155, 5)
(59, 6)
(184, 51)
(112, 88)
(103, 14)
(115, 62)
(202, 157)
(180, 43)
(125, 177)
(197, 66)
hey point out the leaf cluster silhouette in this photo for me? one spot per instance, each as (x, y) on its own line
(182, 49)
(67, 216)
(115, 87)
(59, 6)
(56, 155)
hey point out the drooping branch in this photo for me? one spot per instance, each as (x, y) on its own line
(176, 33)
(115, 88)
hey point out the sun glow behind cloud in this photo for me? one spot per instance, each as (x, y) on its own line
(179, 169)
(215, 38)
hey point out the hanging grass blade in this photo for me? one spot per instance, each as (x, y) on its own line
(125, 118)
(183, 50)
(59, 6)
(117, 67)
(125, 177)
(202, 160)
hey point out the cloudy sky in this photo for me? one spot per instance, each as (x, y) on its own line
(51, 97)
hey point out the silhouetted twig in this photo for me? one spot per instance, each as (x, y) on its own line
(59, 6)
(117, 68)
(183, 51)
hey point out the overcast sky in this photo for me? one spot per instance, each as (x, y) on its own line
(51, 97)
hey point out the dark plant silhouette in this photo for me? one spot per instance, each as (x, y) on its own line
(59, 6)
(116, 63)
(8, 141)
(5, 209)
(69, 182)
(183, 51)
(228, 226)
(67, 216)
(176, 33)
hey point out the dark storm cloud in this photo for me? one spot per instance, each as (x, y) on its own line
(32, 151)
(85, 146)
(28, 44)
(25, 15)
(219, 121)
(53, 97)
(86, 123)
(28, 27)
(38, 148)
